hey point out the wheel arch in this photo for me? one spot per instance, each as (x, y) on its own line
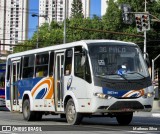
(27, 95)
(71, 96)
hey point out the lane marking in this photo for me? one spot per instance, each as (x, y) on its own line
(156, 114)
(11, 132)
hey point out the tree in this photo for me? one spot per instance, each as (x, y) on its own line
(112, 20)
(96, 23)
(153, 35)
(77, 10)
(47, 36)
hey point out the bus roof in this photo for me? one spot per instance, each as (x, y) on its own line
(63, 46)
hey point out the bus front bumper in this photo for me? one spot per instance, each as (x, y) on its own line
(123, 105)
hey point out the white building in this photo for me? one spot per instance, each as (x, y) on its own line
(104, 6)
(54, 9)
(13, 23)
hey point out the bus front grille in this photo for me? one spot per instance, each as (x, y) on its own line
(120, 105)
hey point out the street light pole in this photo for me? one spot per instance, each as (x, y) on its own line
(64, 32)
(37, 34)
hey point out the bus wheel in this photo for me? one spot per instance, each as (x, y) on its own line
(27, 114)
(72, 116)
(124, 118)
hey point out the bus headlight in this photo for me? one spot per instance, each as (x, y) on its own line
(102, 96)
(148, 95)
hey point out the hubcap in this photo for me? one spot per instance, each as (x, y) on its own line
(71, 112)
(26, 111)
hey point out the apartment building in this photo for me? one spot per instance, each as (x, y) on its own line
(54, 9)
(13, 23)
(104, 5)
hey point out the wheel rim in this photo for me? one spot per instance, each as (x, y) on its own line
(71, 112)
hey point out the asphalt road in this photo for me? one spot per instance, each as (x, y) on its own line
(141, 123)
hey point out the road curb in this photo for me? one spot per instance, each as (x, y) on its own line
(156, 105)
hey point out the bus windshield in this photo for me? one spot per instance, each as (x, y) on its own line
(117, 61)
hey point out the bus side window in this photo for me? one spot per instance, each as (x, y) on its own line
(87, 71)
(78, 68)
(8, 72)
(42, 65)
(68, 62)
(51, 64)
(28, 66)
(20, 71)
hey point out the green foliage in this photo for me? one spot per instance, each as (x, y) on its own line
(112, 18)
(111, 21)
(76, 10)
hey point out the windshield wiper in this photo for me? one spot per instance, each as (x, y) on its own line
(123, 77)
(101, 76)
(134, 72)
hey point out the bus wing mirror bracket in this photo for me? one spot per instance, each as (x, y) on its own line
(147, 59)
(84, 55)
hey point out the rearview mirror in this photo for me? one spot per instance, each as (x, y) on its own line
(147, 60)
(84, 54)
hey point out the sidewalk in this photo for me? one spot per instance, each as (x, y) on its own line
(156, 105)
(154, 113)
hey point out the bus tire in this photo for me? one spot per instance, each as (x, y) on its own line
(27, 114)
(124, 118)
(72, 116)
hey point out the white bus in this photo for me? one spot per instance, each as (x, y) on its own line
(79, 79)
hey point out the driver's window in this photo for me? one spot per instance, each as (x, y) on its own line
(78, 68)
(81, 64)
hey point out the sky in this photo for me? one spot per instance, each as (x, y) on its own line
(33, 7)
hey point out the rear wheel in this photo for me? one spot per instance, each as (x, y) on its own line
(124, 118)
(27, 114)
(72, 116)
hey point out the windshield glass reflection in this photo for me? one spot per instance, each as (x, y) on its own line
(113, 60)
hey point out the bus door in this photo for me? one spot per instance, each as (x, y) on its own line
(15, 67)
(59, 57)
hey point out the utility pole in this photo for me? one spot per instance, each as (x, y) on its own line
(145, 35)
